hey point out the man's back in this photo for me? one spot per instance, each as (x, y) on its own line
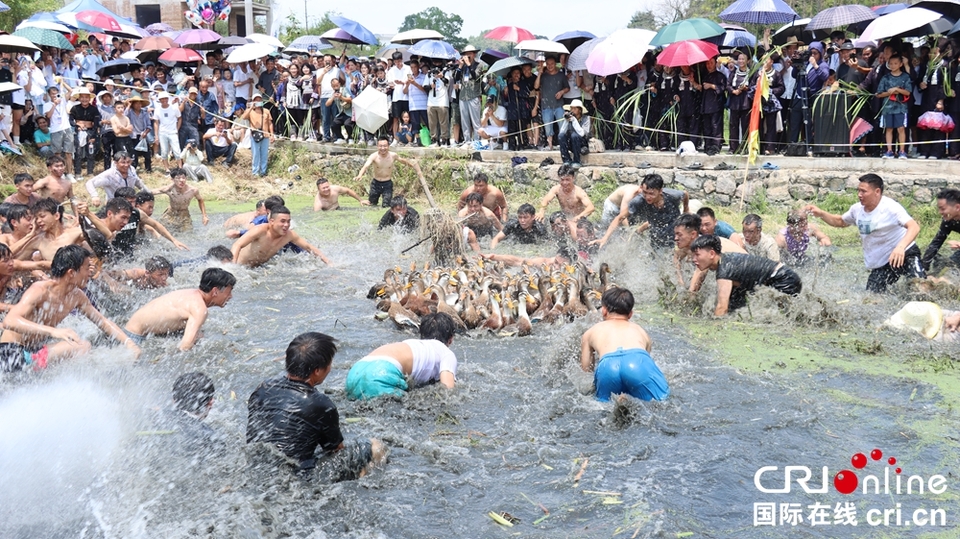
(610, 335)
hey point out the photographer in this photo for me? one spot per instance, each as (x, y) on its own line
(193, 165)
(468, 91)
(218, 141)
(342, 103)
(574, 132)
(494, 123)
(438, 106)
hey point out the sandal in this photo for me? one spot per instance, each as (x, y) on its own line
(724, 166)
(694, 166)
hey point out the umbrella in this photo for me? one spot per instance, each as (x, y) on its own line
(233, 41)
(858, 129)
(387, 51)
(947, 8)
(355, 29)
(181, 55)
(798, 29)
(250, 52)
(541, 45)
(431, 48)
(197, 36)
(307, 44)
(914, 21)
(117, 67)
(687, 29)
(509, 33)
(264, 38)
(46, 25)
(574, 39)
(155, 43)
(838, 16)
(84, 5)
(98, 19)
(578, 57)
(4, 7)
(128, 31)
(16, 44)
(889, 8)
(341, 36)
(736, 37)
(46, 38)
(687, 53)
(9, 87)
(412, 36)
(370, 108)
(489, 56)
(158, 28)
(502, 67)
(620, 51)
(758, 12)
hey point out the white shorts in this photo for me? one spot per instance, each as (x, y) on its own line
(610, 212)
(169, 144)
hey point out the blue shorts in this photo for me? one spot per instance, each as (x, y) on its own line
(374, 376)
(893, 121)
(632, 372)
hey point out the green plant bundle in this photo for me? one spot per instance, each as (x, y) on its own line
(861, 97)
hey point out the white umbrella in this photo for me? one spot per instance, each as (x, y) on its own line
(46, 25)
(250, 52)
(371, 108)
(578, 58)
(132, 54)
(264, 38)
(14, 44)
(412, 36)
(898, 22)
(9, 87)
(619, 52)
(541, 45)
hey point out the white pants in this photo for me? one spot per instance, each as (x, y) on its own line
(168, 144)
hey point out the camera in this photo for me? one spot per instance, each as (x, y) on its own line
(435, 71)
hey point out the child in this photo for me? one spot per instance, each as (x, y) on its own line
(936, 126)
(227, 91)
(405, 132)
(895, 88)
(6, 123)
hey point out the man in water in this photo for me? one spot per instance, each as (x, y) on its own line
(756, 241)
(886, 230)
(55, 185)
(479, 218)
(31, 325)
(384, 162)
(524, 229)
(400, 215)
(493, 198)
(51, 234)
(192, 400)
(711, 226)
(686, 229)
(182, 311)
(154, 275)
(177, 214)
(24, 193)
(948, 204)
(428, 359)
(261, 242)
(303, 423)
(241, 221)
(573, 200)
(120, 227)
(654, 208)
(625, 365)
(328, 196)
(738, 274)
(618, 203)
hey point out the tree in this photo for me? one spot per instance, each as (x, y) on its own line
(434, 18)
(645, 19)
(23, 9)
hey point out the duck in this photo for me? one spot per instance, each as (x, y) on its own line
(494, 321)
(524, 326)
(574, 307)
(401, 316)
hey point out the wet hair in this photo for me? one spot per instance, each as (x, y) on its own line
(556, 217)
(322, 180)
(118, 204)
(143, 197)
(481, 177)
(526, 209)
(121, 155)
(873, 181)
(398, 202)
(706, 212)
(158, 263)
(21, 177)
(383, 138)
(278, 210)
(192, 392)
(652, 181)
(54, 159)
(618, 301)
(70, 257)
(221, 253)
(796, 217)
(5, 251)
(125, 193)
(15, 212)
(475, 197)
(259, 204)
(309, 352)
(438, 326)
(48, 205)
(566, 170)
(753, 219)
(216, 278)
(174, 172)
(5, 209)
(709, 242)
(951, 196)
(586, 225)
(688, 221)
(273, 201)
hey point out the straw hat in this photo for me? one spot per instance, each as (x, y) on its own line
(575, 103)
(469, 48)
(136, 98)
(82, 91)
(924, 317)
(792, 40)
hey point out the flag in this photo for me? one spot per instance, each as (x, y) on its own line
(753, 139)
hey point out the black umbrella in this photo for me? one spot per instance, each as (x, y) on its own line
(502, 67)
(225, 42)
(947, 8)
(117, 67)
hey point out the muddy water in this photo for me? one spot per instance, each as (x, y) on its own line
(80, 456)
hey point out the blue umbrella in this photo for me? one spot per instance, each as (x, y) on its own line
(574, 39)
(355, 29)
(432, 48)
(82, 5)
(759, 12)
(736, 37)
(889, 8)
(4, 7)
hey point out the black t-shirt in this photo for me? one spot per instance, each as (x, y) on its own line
(409, 223)
(747, 271)
(513, 230)
(661, 219)
(295, 417)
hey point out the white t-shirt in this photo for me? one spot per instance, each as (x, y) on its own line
(205, 71)
(326, 89)
(19, 97)
(398, 73)
(437, 96)
(574, 91)
(59, 120)
(218, 140)
(242, 92)
(430, 358)
(880, 230)
(493, 129)
(167, 118)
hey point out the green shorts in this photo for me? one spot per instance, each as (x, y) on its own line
(374, 376)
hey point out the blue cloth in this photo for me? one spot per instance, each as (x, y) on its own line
(895, 104)
(632, 372)
(372, 377)
(260, 151)
(723, 230)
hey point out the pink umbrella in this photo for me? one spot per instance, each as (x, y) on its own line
(181, 55)
(196, 37)
(687, 53)
(509, 33)
(859, 128)
(98, 19)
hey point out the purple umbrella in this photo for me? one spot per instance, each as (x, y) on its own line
(839, 16)
(490, 56)
(196, 37)
(158, 28)
(341, 36)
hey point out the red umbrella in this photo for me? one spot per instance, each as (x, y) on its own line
(687, 53)
(181, 55)
(509, 33)
(155, 43)
(99, 20)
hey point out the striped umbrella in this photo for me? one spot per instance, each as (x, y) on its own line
(759, 12)
(839, 16)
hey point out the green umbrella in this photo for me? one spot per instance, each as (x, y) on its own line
(687, 29)
(44, 37)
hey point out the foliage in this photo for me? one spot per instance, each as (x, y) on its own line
(23, 9)
(645, 19)
(483, 43)
(434, 18)
(293, 29)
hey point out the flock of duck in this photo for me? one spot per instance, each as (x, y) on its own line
(483, 295)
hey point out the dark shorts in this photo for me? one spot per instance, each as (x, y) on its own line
(399, 107)
(344, 465)
(893, 121)
(15, 357)
(380, 189)
(15, 106)
(783, 280)
(884, 276)
(137, 339)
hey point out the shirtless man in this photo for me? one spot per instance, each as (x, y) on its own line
(261, 242)
(21, 241)
(493, 198)
(478, 217)
(241, 221)
(154, 275)
(618, 203)
(623, 349)
(120, 227)
(55, 185)
(686, 229)
(24, 193)
(573, 200)
(177, 215)
(51, 234)
(33, 321)
(328, 196)
(183, 310)
(384, 162)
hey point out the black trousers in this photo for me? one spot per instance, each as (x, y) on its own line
(712, 130)
(108, 143)
(687, 129)
(739, 123)
(884, 276)
(378, 189)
